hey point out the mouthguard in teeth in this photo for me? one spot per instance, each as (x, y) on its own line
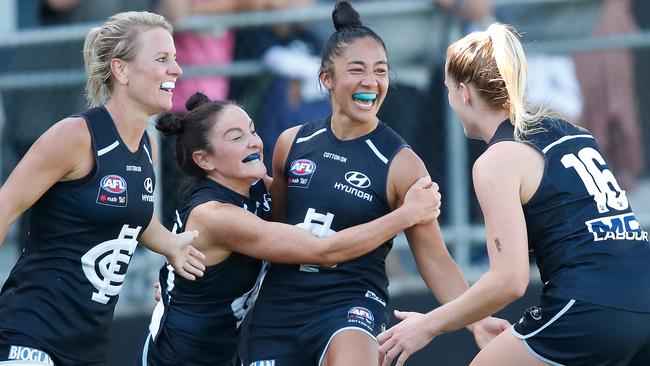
(365, 96)
(251, 157)
(168, 85)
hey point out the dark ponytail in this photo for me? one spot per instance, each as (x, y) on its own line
(349, 28)
(193, 130)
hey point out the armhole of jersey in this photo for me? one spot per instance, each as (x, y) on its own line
(396, 151)
(77, 183)
(146, 143)
(285, 167)
(533, 198)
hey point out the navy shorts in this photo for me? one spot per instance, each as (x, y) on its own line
(163, 353)
(307, 344)
(576, 333)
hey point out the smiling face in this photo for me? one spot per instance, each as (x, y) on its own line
(358, 81)
(151, 75)
(236, 157)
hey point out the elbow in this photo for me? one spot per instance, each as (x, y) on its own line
(514, 291)
(513, 286)
(516, 287)
(326, 258)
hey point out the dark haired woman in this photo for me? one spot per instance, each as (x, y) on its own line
(198, 323)
(359, 170)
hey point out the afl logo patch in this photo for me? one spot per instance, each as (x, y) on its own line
(113, 184)
(361, 316)
(357, 179)
(112, 191)
(300, 173)
(303, 167)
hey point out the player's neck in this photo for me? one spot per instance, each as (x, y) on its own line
(130, 124)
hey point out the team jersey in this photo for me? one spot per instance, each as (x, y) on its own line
(61, 293)
(202, 318)
(331, 185)
(585, 237)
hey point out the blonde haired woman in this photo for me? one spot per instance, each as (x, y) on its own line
(89, 181)
(542, 184)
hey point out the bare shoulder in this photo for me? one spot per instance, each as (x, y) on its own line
(405, 168)
(509, 163)
(71, 138)
(219, 222)
(68, 139)
(70, 130)
(287, 136)
(282, 147)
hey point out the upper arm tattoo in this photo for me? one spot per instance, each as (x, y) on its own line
(498, 244)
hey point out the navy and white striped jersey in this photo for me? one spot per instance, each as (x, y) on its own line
(332, 185)
(202, 318)
(586, 239)
(61, 294)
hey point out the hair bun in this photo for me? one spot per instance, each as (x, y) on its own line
(169, 124)
(344, 15)
(196, 100)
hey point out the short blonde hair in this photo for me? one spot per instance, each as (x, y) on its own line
(116, 38)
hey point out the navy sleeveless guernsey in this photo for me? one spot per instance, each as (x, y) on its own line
(61, 293)
(199, 322)
(332, 185)
(585, 237)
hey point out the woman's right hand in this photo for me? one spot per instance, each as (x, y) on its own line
(423, 200)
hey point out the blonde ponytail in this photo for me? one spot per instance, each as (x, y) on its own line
(494, 62)
(511, 61)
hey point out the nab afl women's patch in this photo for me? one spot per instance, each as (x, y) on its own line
(300, 173)
(112, 191)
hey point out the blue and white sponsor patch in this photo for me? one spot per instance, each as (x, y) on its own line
(112, 191)
(617, 227)
(300, 173)
(33, 355)
(362, 316)
(263, 363)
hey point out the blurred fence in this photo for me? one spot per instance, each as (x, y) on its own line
(414, 58)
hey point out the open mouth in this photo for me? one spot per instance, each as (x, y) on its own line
(365, 100)
(252, 158)
(167, 86)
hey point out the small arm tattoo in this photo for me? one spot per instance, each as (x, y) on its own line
(498, 244)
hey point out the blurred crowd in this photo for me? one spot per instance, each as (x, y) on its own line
(603, 91)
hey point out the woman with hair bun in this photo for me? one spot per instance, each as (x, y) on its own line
(330, 174)
(198, 322)
(89, 181)
(543, 185)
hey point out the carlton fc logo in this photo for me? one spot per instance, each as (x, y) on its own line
(357, 179)
(105, 264)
